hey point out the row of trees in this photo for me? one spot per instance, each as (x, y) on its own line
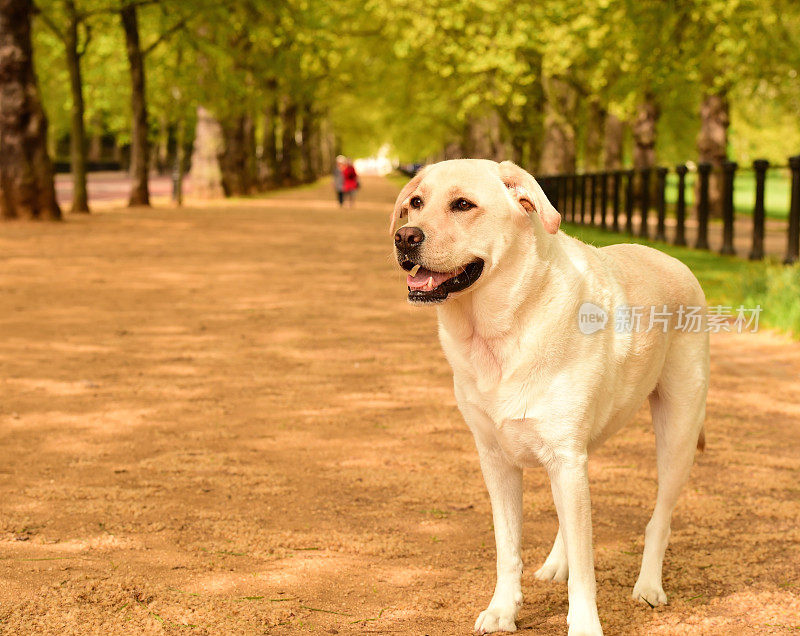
(239, 90)
(562, 85)
(255, 94)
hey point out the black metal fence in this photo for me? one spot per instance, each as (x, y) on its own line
(608, 200)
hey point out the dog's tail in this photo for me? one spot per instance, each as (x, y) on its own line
(701, 440)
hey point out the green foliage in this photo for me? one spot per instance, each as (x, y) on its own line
(53, 80)
(104, 66)
(416, 74)
(776, 288)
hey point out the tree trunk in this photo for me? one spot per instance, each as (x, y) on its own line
(160, 159)
(485, 140)
(140, 194)
(233, 159)
(205, 175)
(558, 144)
(327, 148)
(307, 149)
(712, 144)
(26, 174)
(479, 144)
(517, 145)
(95, 151)
(288, 143)
(250, 159)
(270, 172)
(180, 142)
(229, 159)
(613, 139)
(117, 153)
(317, 158)
(593, 142)
(501, 148)
(77, 136)
(645, 133)
(463, 146)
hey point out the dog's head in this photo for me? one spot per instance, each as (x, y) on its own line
(463, 216)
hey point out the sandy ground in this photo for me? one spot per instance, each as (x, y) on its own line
(227, 420)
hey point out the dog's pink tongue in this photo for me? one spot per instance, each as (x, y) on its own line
(426, 280)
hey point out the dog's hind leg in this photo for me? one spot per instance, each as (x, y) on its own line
(555, 567)
(678, 409)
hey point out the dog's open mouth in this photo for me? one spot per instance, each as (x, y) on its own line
(427, 286)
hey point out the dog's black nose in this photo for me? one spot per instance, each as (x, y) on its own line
(407, 237)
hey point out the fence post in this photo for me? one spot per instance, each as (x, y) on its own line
(593, 197)
(793, 244)
(615, 201)
(603, 198)
(557, 192)
(728, 172)
(553, 187)
(760, 168)
(583, 198)
(574, 197)
(661, 203)
(645, 207)
(629, 202)
(573, 192)
(680, 206)
(703, 172)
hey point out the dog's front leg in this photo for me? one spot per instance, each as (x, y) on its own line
(569, 480)
(504, 483)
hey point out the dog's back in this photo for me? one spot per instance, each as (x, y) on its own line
(651, 277)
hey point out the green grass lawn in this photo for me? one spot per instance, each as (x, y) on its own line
(776, 191)
(727, 280)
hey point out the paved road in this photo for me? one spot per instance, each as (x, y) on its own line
(110, 187)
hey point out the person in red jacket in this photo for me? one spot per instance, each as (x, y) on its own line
(345, 181)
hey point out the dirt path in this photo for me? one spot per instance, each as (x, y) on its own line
(227, 420)
(109, 190)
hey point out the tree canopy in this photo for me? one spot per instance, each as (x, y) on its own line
(429, 78)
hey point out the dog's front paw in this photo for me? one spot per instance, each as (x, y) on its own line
(585, 631)
(496, 619)
(649, 593)
(583, 620)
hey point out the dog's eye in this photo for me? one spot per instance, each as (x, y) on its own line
(462, 205)
(415, 203)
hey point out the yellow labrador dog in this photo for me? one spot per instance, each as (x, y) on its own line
(541, 375)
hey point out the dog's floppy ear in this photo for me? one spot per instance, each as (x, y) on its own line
(530, 195)
(401, 205)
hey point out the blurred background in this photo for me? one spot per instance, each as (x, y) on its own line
(249, 95)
